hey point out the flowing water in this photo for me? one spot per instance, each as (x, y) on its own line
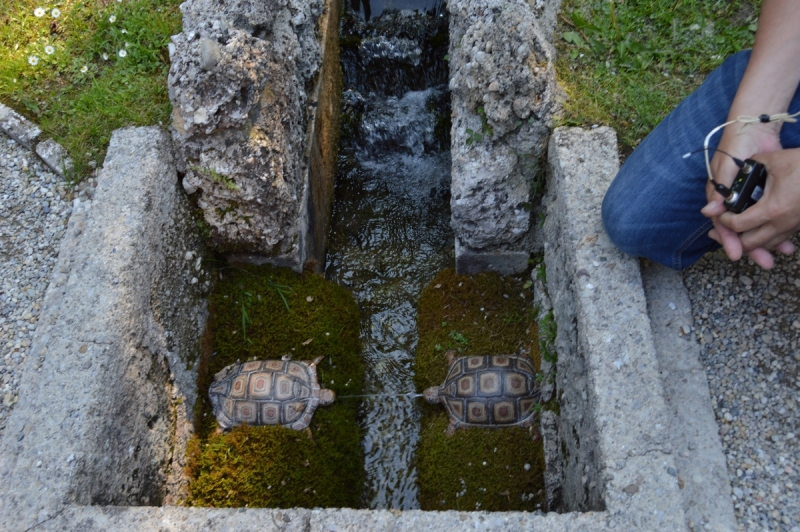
(391, 221)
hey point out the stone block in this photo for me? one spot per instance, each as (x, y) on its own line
(54, 156)
(469, 262)
(96, 519)
(503, 96)
(699, 459)
(18, 127)
(253, 130)
(614, 419)
(107, 385)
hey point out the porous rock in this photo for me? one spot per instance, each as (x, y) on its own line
(241, 85)
(503, 89)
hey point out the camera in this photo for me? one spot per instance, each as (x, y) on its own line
(747, 187)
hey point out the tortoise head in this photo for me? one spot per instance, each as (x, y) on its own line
(431, 395)
(326, 396)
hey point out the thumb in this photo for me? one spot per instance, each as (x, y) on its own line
(714, 208)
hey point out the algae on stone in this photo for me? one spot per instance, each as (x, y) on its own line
(475, 469)
(263, 312)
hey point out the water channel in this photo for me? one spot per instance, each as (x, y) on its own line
(391, 219)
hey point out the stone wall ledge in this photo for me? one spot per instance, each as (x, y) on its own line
(635, 419)
(107, 390)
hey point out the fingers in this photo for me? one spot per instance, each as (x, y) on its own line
(728, 239)
(714, 208)
(786, 247)
(762, 257)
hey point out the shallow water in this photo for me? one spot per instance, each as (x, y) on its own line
(390, 235)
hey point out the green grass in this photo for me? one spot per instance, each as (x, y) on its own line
(77, 94)
(626, 64)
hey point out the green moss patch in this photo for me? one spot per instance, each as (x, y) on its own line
(264, 313)
(484, 469)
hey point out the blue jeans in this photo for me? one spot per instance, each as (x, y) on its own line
(652, 208)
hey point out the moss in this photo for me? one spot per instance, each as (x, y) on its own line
(264, 312)
(480, 314)
(452, 474)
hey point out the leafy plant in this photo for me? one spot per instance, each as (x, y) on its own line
(215, 176)
(474, 136)
(547, 337)
(540, 273)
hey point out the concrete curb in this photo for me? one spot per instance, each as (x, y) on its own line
(635, 414)
(696, 446)
(106, 393)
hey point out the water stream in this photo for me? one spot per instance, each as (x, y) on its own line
(391, 221)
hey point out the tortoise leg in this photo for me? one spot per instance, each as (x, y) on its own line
(451, 429)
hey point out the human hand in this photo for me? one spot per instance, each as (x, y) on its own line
(769, 223)
(759, 138)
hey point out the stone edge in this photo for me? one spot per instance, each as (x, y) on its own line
(28, 134)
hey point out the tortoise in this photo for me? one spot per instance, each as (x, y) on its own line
(487, 391)
(268, 392)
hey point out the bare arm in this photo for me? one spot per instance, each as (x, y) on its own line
(768, 85)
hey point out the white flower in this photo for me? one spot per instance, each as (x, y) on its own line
(49, 50)
(105, 56)
(127, 44)
(122, 53)
(39, 11)
(112, 19)
(56, 13)
(84, 69)
(124, 30)
(33, 60)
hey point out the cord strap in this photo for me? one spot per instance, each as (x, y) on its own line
(747, 121)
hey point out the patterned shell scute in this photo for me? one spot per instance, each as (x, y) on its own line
(490, 390)
(265, 392)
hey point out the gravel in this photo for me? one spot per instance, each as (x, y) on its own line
(35, 205)
(747, 321)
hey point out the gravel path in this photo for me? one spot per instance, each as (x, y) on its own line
(34, 209)
(748, 323)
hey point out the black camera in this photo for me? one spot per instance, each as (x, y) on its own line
(748, 187)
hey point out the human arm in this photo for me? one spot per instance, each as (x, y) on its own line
(768, 85)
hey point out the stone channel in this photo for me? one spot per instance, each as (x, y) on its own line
(110, 364)
(390, 232)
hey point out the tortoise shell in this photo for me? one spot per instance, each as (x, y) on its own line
(488, 391)
(267, 392)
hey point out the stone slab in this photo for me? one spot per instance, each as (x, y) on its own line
(18, 127)
(119, 519)
(614, 419)
(697, 449)
(503, 93)
(469, 262)
(54, 156)
(104, 391)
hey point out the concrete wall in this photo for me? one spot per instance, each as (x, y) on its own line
(108, 386)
